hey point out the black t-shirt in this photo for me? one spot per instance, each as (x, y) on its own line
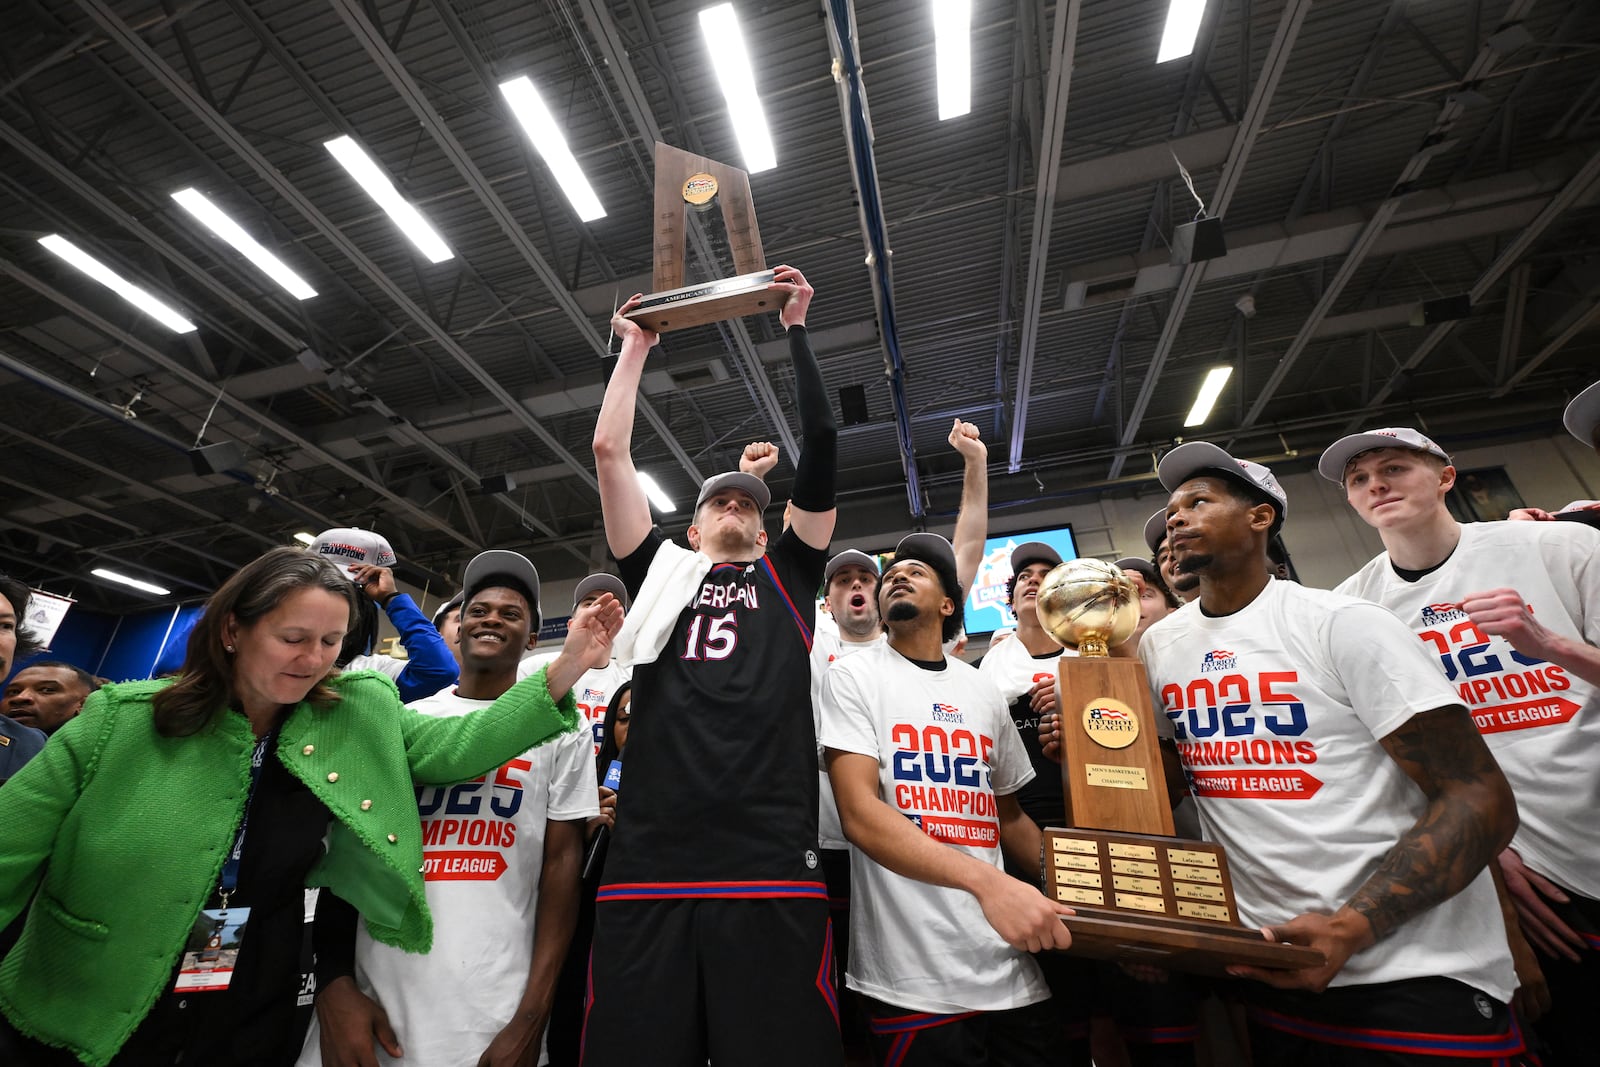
(254, 1020)
(1042, 799)
(721, 781)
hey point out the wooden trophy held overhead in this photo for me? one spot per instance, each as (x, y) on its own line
(685, 181)
(1141, 894)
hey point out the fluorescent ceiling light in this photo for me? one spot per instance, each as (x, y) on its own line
(378, 186)
(305, 539)
(1210, 389)
(218, 222)
(952, 49)
(551, 144)
(720, 27)
(1183, 25)
(657, 495)
(123, 579)
(133, 294)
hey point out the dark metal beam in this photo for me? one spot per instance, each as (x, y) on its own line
(1058, 81)
(1557, 343)
(1511, 324)
(844, 43)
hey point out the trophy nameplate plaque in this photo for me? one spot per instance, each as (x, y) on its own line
(686, 182)
(1141, 894)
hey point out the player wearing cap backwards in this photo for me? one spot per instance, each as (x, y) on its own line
(1582, 420)
(1511, 610)
(366, 558)
(605, 676)
(926, 764)
(711, 935)
(1358, 805)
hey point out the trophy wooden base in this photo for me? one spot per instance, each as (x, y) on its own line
(696, 305)
(1182, 948)
(1154, 899)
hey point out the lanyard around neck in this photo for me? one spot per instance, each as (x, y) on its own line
(230, 867)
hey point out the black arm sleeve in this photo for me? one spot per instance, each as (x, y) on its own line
(816, 468)
(333, 939)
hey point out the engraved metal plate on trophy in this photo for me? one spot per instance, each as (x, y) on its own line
(686, 182)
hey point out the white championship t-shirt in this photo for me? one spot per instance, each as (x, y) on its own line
(1541, 721)
(826, 647)
(1277, 711)
(378, 662)
(593, 692)
(1014, 670)
(483, 851)
(945, 748)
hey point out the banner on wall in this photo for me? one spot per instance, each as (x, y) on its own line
(45, 614)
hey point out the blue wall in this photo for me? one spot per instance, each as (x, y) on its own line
(121, 648)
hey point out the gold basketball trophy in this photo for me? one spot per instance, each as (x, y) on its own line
(1142, 894)
(685, 182)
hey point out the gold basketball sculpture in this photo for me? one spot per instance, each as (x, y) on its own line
(1089, 605)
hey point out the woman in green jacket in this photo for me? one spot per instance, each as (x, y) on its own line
(259, 771)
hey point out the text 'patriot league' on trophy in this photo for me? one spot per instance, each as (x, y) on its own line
(685, 181)
(1141, 894)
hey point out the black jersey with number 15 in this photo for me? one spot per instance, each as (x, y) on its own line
(721, 785)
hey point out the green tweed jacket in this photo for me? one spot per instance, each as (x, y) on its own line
(123, 833)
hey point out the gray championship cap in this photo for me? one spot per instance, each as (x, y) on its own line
(1339, 454)
(850, 557)
(748, 484)
(1582, 416)
(1033, 552)
(600, 582)
(1155, 529)
(1189, 459)
(347, 545)
(486, 565)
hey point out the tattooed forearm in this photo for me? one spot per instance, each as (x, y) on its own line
(1470, 817)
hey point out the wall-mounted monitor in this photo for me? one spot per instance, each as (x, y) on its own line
(987, 610)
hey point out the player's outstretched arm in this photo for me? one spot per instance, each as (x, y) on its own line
(816, 467)
(1470, 817)
(972, 521)
(1018, 912)
(625, 508)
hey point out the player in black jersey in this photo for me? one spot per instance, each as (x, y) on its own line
(711, 935)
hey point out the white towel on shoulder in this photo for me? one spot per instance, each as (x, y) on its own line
(669, 587)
